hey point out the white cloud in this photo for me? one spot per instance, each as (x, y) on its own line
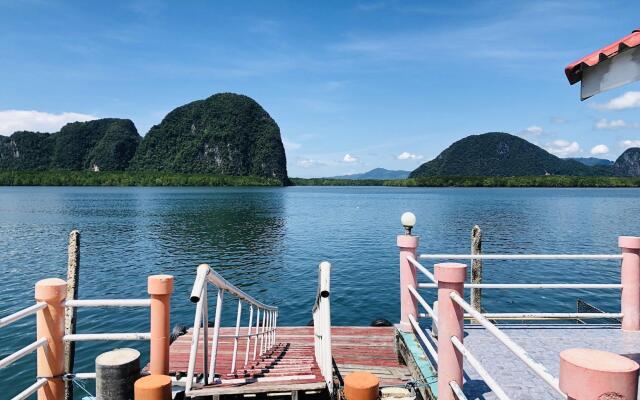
(614, 124)
(348, 158)
(625, 144)
(289, 145)
(26, 120)
(599, 149)
(563, 148)
(627, 100)
(534, 130)
(405, 155)
(308, 163)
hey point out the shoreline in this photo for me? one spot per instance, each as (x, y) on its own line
(162, 179)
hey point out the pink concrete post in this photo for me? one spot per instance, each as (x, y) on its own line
(450, 277)
(630, 279)
(588, 374)
(160, 288)
(50, 325)
(408, 304)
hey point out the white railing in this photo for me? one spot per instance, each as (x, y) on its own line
(43, 342)
(322, 324)
(264, 332)
(483, 318)
(433, 283)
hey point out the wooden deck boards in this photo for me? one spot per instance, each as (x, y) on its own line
(292, 365)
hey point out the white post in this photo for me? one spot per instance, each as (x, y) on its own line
(216, 334)
(264, 324)
(205, 333)
(246, 353)
(255, 343)
(235, 338)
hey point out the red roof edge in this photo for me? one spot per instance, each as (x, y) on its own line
(574, 70)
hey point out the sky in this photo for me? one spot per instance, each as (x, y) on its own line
(352, 85)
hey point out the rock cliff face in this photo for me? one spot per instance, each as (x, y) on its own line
(628, 164)
(104, 144)
(225, 134)
(500, 154)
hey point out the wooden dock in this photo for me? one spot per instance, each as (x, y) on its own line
(291, 366)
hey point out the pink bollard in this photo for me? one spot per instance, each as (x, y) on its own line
(160, 288)
(50, 325)
(588, 374)
(450, 277)
(630, 279)
(408, 245)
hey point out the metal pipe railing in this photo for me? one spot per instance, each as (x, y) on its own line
(25, 312)
(530, 285)
(488, 379)
(321, 312)
(520, 256)
(40, 382)
(206, 275)
(10, 359)
(518, 351)
(109, 303)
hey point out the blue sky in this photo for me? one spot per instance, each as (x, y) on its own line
(352, 85)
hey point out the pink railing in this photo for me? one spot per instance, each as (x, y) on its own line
(451, 309)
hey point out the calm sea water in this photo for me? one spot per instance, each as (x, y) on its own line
(269, 242)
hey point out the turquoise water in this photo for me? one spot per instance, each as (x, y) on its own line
(269, 242)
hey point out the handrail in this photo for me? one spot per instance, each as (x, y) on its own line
(108, 303)
(266, 335)
(30, 348)
(40, 382)
(321, 312)
(521, 256)
(205, 272)
(531, 285)
(488, 379)
(25, 312)
(518, 351)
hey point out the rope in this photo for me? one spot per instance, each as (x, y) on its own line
(82, 387)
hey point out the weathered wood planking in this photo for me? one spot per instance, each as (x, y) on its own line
(354, 349)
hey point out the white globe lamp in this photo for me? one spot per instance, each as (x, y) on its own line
(408, 220)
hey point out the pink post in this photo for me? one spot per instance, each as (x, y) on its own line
(408, 304)
(630, 279)
(50, 325)
(450, 277)
(588, 374)
(160, 288)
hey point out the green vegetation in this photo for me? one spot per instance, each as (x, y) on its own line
(480, 181)
(106, 144)
(502, 154)
(225, 134)
(120, 178)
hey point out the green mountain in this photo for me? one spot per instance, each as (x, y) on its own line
(376, 173)
(592, 161)
(628, 164)
(104, 144)
(501, 154)
(225, 134)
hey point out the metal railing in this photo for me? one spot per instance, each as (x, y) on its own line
(50, 324)
(322, 324)
(42, 342)
(483, 318)
(264, 333)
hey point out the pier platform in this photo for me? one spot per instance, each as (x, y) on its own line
(291, 367)
(543, 342)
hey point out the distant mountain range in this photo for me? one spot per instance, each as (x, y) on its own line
(502, 154)
(376, 173)
(592, 161)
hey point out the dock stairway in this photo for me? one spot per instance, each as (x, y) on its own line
(250, 359)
